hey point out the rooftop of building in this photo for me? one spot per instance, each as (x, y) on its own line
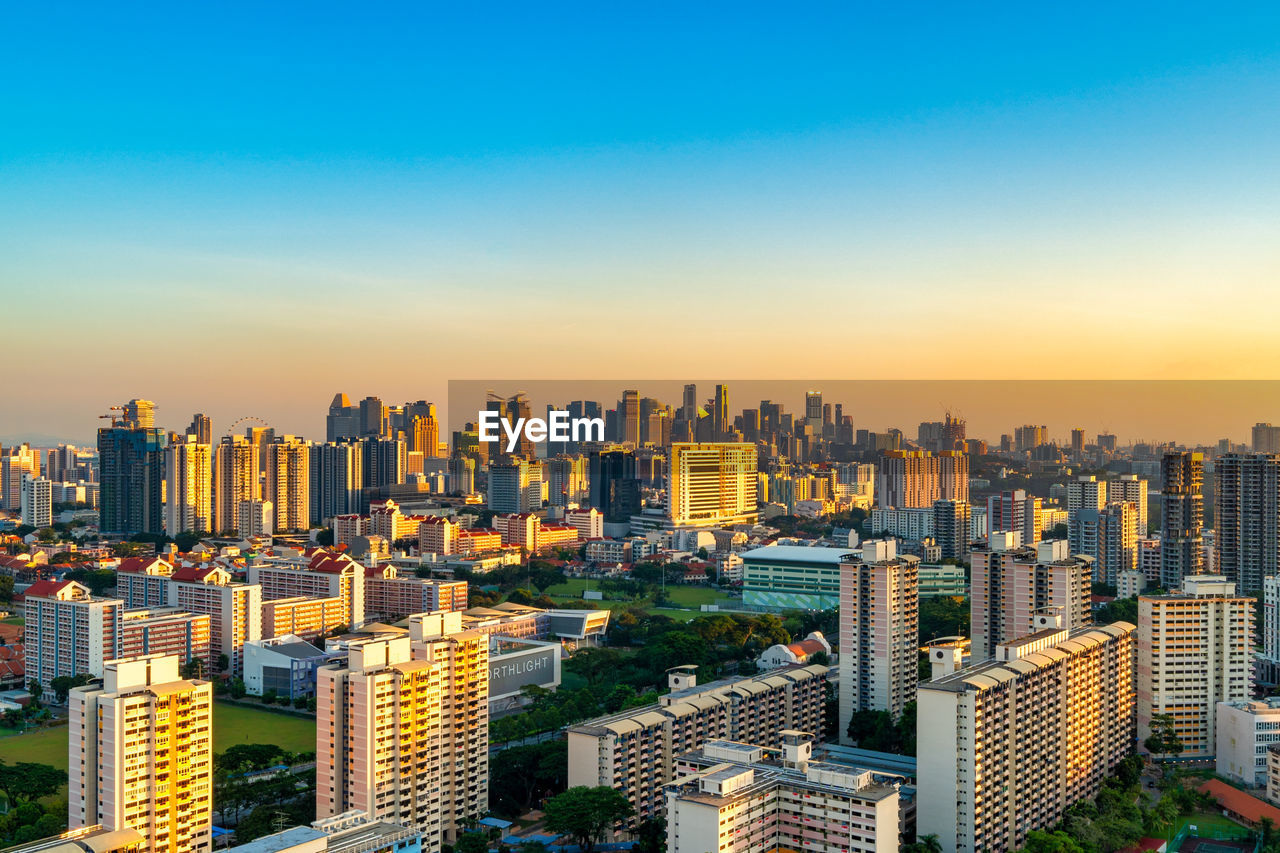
(800, 554)
(992, 672)
(769, 771)
(281, 841)
(93, 839)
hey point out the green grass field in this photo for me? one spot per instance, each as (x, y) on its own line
(232, 724)
(13, 620)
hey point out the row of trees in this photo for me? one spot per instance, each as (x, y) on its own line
(25, 784)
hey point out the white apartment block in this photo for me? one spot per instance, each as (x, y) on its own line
(36, 501)
(1246, 731)
(741, 798)
(635, 751)
(142, 755)
(1194, 651)
(68, 632)
(1007, 745)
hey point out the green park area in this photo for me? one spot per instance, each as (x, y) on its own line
(232, 724)
(683, 602)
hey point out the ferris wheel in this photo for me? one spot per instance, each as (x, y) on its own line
(247, 419)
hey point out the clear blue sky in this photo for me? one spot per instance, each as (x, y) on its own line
(196, 197)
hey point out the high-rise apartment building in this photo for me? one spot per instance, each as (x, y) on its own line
(1131, 488)
(68, 631)
(1015, 512)
(385, 461)
(634, 751)
(337, 480)
(1182, 515)
(36, 501)
(168, 631)
(234, 609)
(951, 522)
(1110, 537)
(142, 755)
(131, 466)
(15, 463)
(879, 632)
(1006, 746)
(712, 484)
(322, 575)
(235, 480)
(1030, 436)
(1083, 493)
(1247, 525)
(288, 482)
(201, 429)
(909, 478)
(567, 481)
(1010, 588)
(1194, 651)
(741, 798)
(402, 728)
(953, 476)
(1266, 438)
(188, 487)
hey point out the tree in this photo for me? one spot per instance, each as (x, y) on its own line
(651, 836)
(237, 688)
(924, 844)
(63, 684)
(471, 842)
(223, 663)
(1050, 842)
(586, 814)
(1163, 739)
(193, 668)
(36, 690)
(26, 782)
(593, 664)
(6, 588)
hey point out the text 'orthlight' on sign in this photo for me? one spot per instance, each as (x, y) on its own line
(558, 426)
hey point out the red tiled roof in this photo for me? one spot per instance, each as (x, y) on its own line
(12, 662)
(46, 589)
(138, 564)
(1238, 802)
(194, 573)
(804, 648)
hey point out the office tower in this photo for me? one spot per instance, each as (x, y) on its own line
(1266, 438)
(131, 464)
(234, 609)
(14, 464)
(189, 487)
(567, 481)
(426, 434)
(62, 463)
(462, 475)
(36, 501)
(343, 419)
(1077, 441)
(514, 486)
(634, 751)
(721, 423)
(1110, 537)
(512, 409)
(201, 429)
(1014, 512)
(951, 521)
(140, 414)
(689, 403)
(629, 418)
(463, 658)
(1010, 587)
(374, 418)
(879, 627)
(1182, 514)
(337, 480)
(909, 478)
(384, 461)
(1194, 650)
(1083, 493)
(741, 798)
(712, 484)
(1247, 528)
(813, 407)
(235, 480)
(142, 755)
(615, 490)
(953, 476)
(1006, 746)
(1131, 488)
(288, 483)
(68, 631)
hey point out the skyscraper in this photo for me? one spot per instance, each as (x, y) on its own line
(1182, 514)
(911, 478)
(721, 424)
(374, 417)
(384, 460)
(1014, 512)
(614, 488)
(953, 476)
(201, 429)
(337, 480)
(142, 754)
(1086, 492)
(140, 414)
(189, 487)
(14, 464)
(1247, 528)
(343, 420)
(36, 504)
(514, 486)
(629, 418)
(879, 627)
(712, 484)
(426, 434)
(1131, 488)
(235, 480)
(131, 462)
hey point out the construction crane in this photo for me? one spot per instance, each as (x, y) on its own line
(115, 419)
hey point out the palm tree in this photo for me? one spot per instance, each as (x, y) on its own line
(924, 844)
